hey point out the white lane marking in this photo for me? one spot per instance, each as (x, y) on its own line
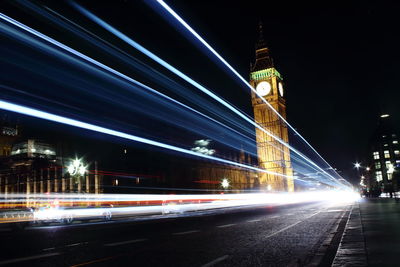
(226, 225)
(47, 249)
(257, 220)
(75, 244)
(333, 210)
(290, 226)
(283, 229)
(186, 232)
(217, 260)
(125, 242)
(29, 258)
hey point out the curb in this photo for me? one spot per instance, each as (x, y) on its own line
(327, 250)
(352, 250)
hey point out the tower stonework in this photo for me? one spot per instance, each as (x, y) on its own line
(272, 155)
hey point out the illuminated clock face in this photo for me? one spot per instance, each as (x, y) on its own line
(263, 88)
(280, 87)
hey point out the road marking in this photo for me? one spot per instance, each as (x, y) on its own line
(283, 229)
(290, 226)
(257, 220)
(186, 232)
(29, 258)
(47, 249)
(94, 261)
(276, 216)
(75, 244)
(289, 214)
(217, 260)
(333, 210)
(226, 225)
(125, 242)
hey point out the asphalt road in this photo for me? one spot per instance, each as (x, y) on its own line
(264, 236)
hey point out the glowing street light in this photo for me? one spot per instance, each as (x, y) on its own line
(225, 183)
(368, 168)
(76, 168)
(357, 165)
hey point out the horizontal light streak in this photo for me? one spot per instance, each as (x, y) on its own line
(57, 207)
(71, 122)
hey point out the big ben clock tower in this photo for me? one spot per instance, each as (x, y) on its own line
(272, 155)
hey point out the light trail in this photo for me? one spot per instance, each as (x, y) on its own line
(157, 59)
(212, 50)
(79, 124)
(90, 60)
(98, 64)
(113, 71)
(60, 207)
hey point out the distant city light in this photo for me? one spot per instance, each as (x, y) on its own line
(202, 142)
(385, 115)
(368, 168)
(203, 150)
(357, 165)
(269, 187)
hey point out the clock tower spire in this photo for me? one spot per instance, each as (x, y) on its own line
(272, 155)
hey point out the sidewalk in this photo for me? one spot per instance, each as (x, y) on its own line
(372, 235)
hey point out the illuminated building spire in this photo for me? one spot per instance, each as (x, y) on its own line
(263, 58)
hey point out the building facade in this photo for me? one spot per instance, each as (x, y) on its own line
(33, 167)
(273, 156)
(383, 158)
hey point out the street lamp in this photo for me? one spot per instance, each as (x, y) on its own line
(225, 183)
(77, 170)
(357, 165)
(368, 168)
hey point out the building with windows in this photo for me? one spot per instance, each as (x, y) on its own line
(33, 167)
(384, 157)
(9, 133)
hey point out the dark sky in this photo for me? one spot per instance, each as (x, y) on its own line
(339, 60)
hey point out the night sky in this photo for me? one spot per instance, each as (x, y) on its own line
(338, 59)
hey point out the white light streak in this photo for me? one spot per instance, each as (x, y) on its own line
(83, 125)
(198, 37)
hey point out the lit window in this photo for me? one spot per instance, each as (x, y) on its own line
(397, 161)
(393, 135)
(385, 145)
(388, 164)
(396, 152)
(387, 154)
(376, 155)
(378, 176)
(383, 136)
(395, 142)
(377, 165)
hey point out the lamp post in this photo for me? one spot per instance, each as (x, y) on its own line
(77, 170)
(225, 183)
